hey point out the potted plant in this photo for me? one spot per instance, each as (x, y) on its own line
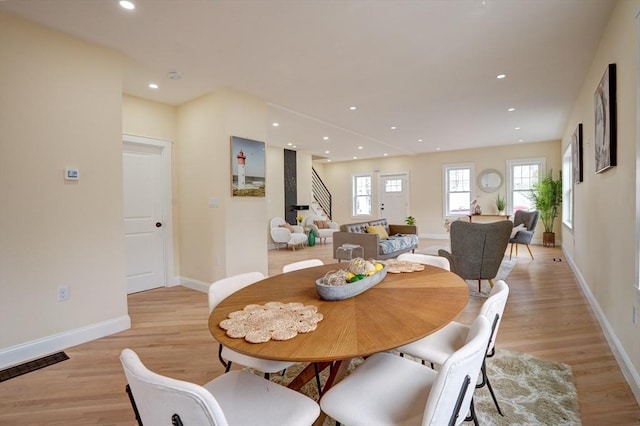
(500, 204)
(547, 197)
(410, 220)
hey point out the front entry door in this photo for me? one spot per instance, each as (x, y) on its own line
(144, 232)
(394, 197)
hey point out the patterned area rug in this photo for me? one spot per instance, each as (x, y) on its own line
(530, 391)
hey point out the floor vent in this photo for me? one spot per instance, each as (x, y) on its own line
(28, 367)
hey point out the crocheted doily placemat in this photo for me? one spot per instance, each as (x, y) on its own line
(398, 266)
(273, 320)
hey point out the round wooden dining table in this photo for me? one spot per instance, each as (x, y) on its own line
(401, 309)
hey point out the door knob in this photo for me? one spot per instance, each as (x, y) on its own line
(158, 224)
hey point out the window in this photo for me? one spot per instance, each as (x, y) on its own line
(457, 189)
(522, 175)
(393, 185)
(567, 187)
(361, 195)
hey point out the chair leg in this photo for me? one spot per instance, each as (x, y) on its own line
(511, 251)
(485, 381)
(479, 286)
(491, 283)
(531, 254)
(133, 404)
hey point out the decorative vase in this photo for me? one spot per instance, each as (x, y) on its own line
(312, 238)
(501, 213)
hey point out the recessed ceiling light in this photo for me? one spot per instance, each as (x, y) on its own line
(501, 76)
(126, 4)
(355, 158)
(153, 86)
(329, 160)
(419, 140)
(393, 127)
(294, 146)
(517, 128)
(361, 147)
(352, 108)
(275, 124)
(327, 152)
(511, 109)
(520, 140)
(438, 148)
(290, 144)
(326, 138)
(385, 154)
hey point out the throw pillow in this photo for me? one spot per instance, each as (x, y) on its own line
(515, 230)
(321, 224)
(286, 225)
(378, 229)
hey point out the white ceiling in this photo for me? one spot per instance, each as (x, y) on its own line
(428, 67)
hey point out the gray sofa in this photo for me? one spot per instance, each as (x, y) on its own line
(402, 239)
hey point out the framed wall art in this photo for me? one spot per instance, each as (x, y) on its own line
(605, 120)
(247, 167)
(577, 154)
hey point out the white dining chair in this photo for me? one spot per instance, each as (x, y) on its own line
(389, 390)
(426, 259)
(220, 290)
(301, 265)
(234, 398)
(437, 347)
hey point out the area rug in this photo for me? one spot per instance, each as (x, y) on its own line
(530, 391)
(506, 267)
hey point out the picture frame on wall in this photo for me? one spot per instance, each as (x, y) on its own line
(248, 178)
(605, 120)
(577, 154)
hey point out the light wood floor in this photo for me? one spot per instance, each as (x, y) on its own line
(546, 316)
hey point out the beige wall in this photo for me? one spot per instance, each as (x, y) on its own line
(229, 239)
(60, 106)
(602, 245)
(426, 180)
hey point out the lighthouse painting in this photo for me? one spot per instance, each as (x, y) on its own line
(247, 167)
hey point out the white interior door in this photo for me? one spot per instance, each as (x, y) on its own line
(143, 219)
(394, 197)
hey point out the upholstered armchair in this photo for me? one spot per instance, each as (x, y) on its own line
(529, 220)
(284, 233)
(477, 249)
(323, 228)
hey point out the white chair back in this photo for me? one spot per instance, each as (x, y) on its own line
(223, 288)
(426, 259)
(159, 398)
(494, 305)
(301, 265)
(457, 378)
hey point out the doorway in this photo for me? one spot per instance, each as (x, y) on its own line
(146, 168)
(394, 196)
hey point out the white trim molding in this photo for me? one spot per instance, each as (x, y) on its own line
(40, 347)
(195, 284)
(626, 366)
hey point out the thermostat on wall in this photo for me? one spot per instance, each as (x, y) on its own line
(71, 174)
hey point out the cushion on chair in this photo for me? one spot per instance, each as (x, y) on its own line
(288, 226)
(321, 224)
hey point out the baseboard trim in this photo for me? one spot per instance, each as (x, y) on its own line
(40, 347)
(195, 284)
(624, 362)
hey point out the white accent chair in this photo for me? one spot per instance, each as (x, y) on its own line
(220, 290)
(235, 398)
(437, 347)
(281, 235)
(322, 233)
(389, 390)
(301, 265)
(426, 259)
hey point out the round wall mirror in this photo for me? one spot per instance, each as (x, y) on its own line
(490, 180)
